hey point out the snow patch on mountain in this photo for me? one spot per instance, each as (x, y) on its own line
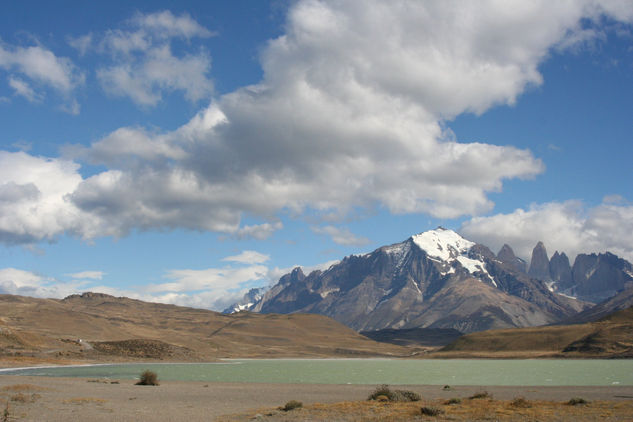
(443, 245)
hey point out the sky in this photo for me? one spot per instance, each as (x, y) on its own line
(184, 152)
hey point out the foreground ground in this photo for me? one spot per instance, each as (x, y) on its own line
(80, 399)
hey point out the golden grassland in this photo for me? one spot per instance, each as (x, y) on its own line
(466, 410)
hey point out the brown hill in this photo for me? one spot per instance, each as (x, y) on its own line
(610, 337)
(101, 327)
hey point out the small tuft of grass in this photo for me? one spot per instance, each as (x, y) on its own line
(520, 402)
(148, 378)
(431, 411)
(575, 401)
(291, 405)
(481, 395)
(452, 401)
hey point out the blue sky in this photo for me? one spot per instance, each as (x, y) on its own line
(186, 152)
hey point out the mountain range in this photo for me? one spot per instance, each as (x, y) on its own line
(438, 279)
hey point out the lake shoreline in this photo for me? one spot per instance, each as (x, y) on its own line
(75, 399)
(527, 372)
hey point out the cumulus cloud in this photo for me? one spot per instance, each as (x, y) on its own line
(352, 112)
(33, 198)
(569, 227)
(143, 66)
(341, 236)
(43, 68)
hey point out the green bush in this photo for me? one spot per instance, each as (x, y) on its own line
(292, 404)
(148, 378)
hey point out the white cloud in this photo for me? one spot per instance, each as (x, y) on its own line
(25, 283)
(351, 113)
(91, 275)
(248, 257)
(341, 236)
(258, 231)
(569, 227)
(43, 68)
(165, 24)
(143, 66)
(42, 65)
(23, 89)
(82, 43)
(33, 198)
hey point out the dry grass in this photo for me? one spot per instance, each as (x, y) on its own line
(466, 410)
(22, 388)
(24, 398)
(84, 400)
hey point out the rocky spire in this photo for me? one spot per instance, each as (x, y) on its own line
(560, 271)
(507, 256)
(539, 265)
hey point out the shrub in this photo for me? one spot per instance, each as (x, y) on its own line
(406, 396)
(520, 402)
(384, 392)
(431, 411)
(447, 388)
(454, 400)
(148, 378)
(481, 395)
(292, 404)
(576, 401)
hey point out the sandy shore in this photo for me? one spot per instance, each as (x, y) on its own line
(81, 399)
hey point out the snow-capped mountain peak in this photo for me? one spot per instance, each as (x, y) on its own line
(442, 243)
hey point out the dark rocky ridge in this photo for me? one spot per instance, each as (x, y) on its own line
(458, 285)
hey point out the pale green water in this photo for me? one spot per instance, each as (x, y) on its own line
(370, 371)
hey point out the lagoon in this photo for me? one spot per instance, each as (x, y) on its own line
(368, 371)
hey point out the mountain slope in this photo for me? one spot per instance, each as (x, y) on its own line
(612, 336)
(434, 279)
(102, 327)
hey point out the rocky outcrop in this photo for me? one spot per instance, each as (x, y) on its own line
(507, 256)
(539, 265)
(597, 277)
(560, 271)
